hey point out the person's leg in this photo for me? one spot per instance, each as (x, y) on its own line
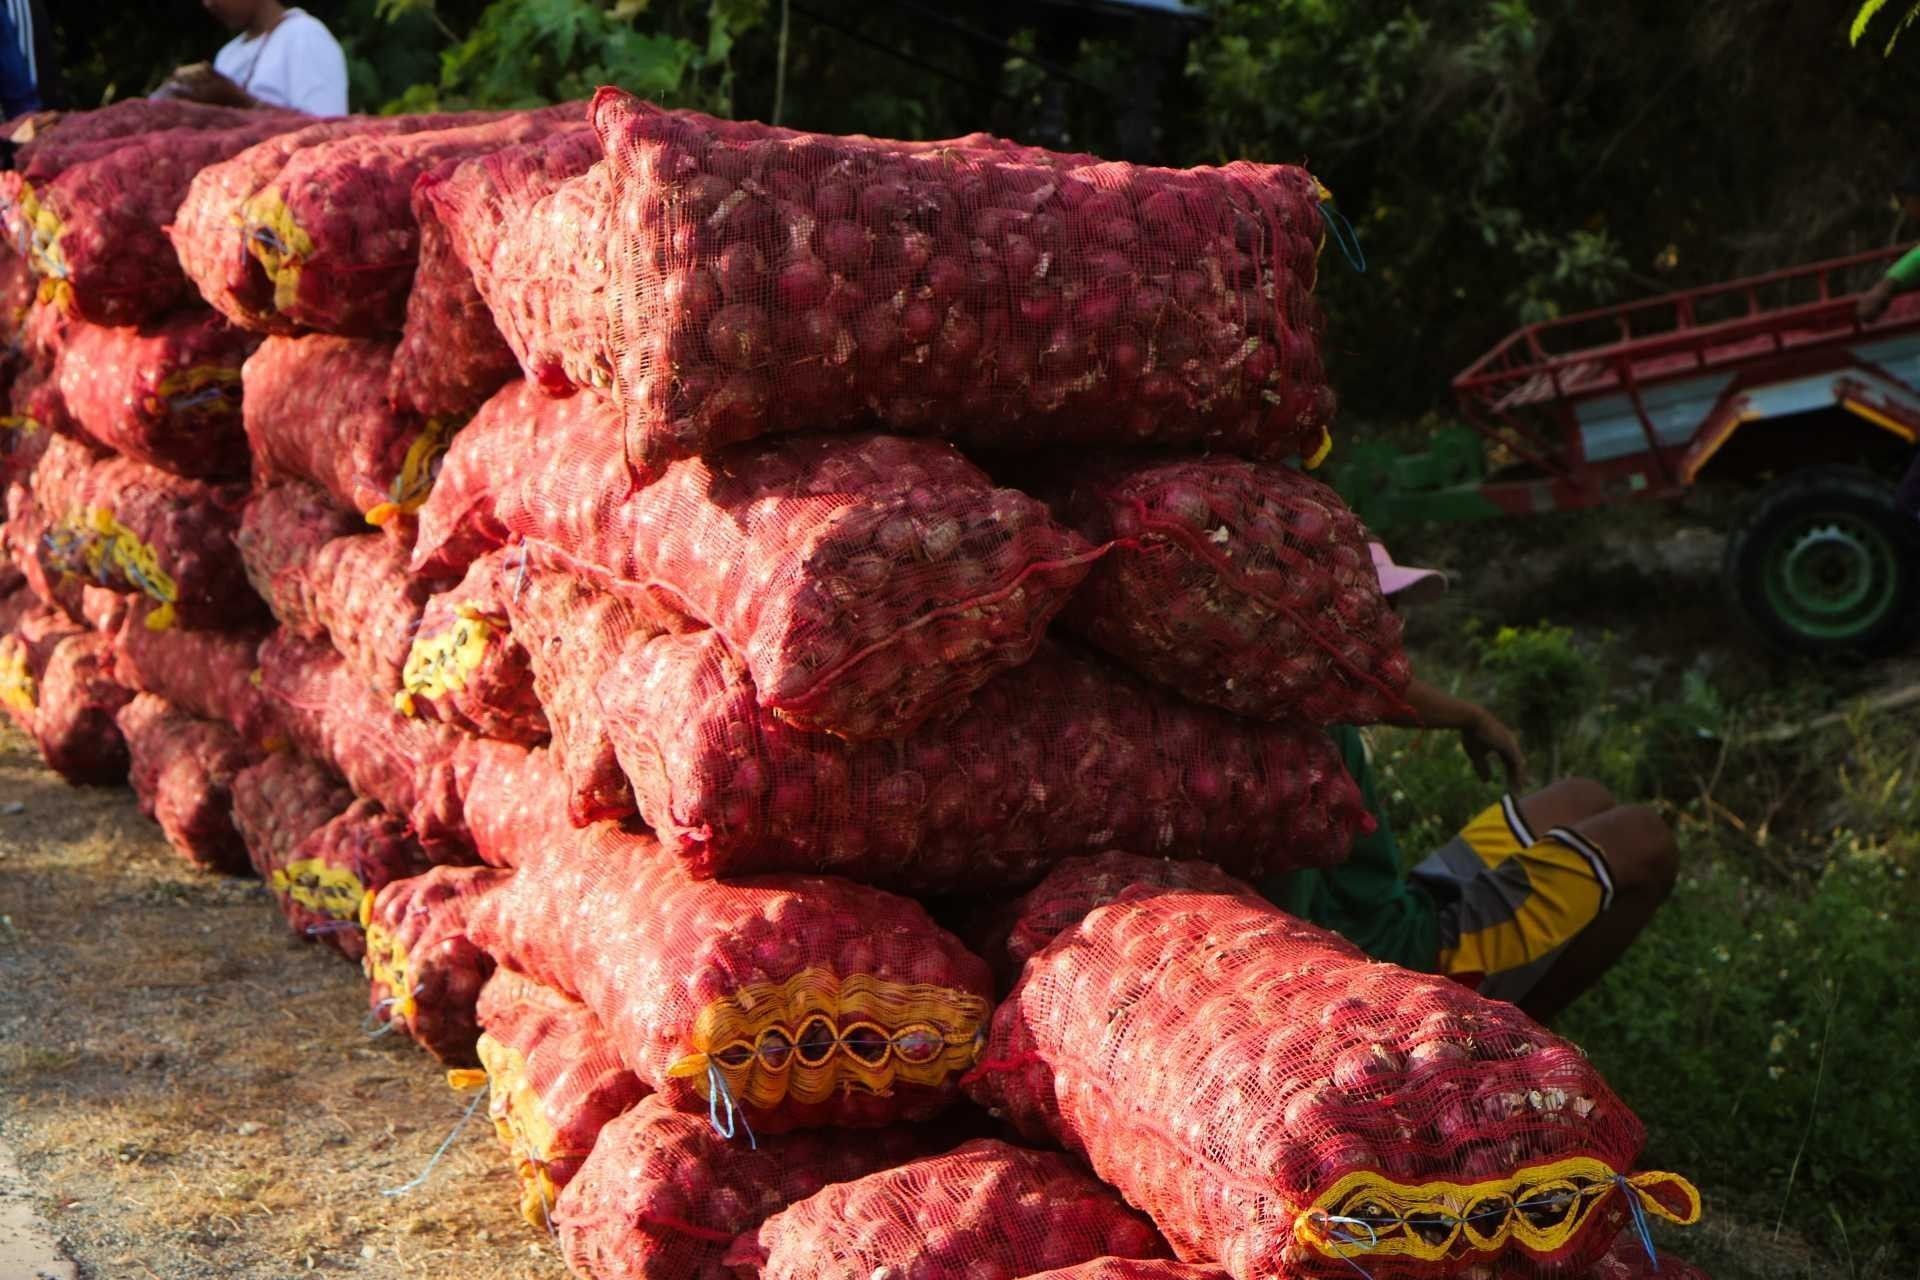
(1566, 802)
(1639, 852)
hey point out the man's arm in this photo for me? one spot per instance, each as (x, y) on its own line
(1901, 276)
(1482, 735)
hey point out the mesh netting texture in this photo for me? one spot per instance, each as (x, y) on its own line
(99, 227)
(127, 526)
(553, 1082)
(867, 582)
(663, 1195)
(521, 453)
(985, 1210)
(332, 714)
(124, 122)
(1134, 1269)
(334, 230)
(797, 1001)
(36, 412)
(514, 798)
(465, 665)
(208, 674)
(25, 651)
(450, 356)
(279, 802)
(282, 528)
(806, 282)
(1058, 757)
(166, 393)
(1008, 934)
(207, 232)
(182, 770)
(320, 885)
(1243, 586)
(529, 225)
(316, 410)
(558, 618)
(354, 590)
(73, 723)
(1280, 1104)
(424, 972)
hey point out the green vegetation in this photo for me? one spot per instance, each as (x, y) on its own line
(1763, 1026)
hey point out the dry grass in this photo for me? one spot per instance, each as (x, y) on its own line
(188, 1087)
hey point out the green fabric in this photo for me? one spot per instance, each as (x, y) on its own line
(1365, 899)
(1905, 273)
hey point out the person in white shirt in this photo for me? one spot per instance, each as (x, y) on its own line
(282, 58)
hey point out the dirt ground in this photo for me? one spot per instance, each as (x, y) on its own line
(189, 1090)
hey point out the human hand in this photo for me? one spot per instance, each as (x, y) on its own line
(199, 82)
(1485, 738)
(1873, 302)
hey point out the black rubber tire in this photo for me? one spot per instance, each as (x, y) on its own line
(1849, 494)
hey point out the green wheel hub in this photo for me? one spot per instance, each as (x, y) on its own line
(1831, 576)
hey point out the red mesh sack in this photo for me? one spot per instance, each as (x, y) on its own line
(17, 290)
(99, 227)
(522, 451)
(805, 283)
(799, 1001)
(319, 884)
(531, 226)
(33, 549)
(662, 1195)
(425, 973)
(182, 770)
(1278, 1103)
(17, 602)
(1013, 933)
(1629, 1259)
(515, 800)
(1134, 1269)
(985, 1211)
(452, 355)
(466, 667)
(334, 230)
(1061, 756)
(208, 232)
(362, 599)
(316, 410)
(570, 629)
(166, 393)
(35, 414)
(279, 802)
(208, 674)
(130, 527)
(866, 582)
(73, 723)
(25, 651)
(331, 713)
(125, 121)
(1242, 586)
(282, 529)
(553, 1083)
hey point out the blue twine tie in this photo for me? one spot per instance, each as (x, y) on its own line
(718, 1095)
(427, 1172)
(1344, 236)
(1639, 1220)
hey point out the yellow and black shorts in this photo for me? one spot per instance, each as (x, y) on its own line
(1510, 901)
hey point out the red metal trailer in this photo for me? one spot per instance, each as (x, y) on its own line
(1768, 381)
